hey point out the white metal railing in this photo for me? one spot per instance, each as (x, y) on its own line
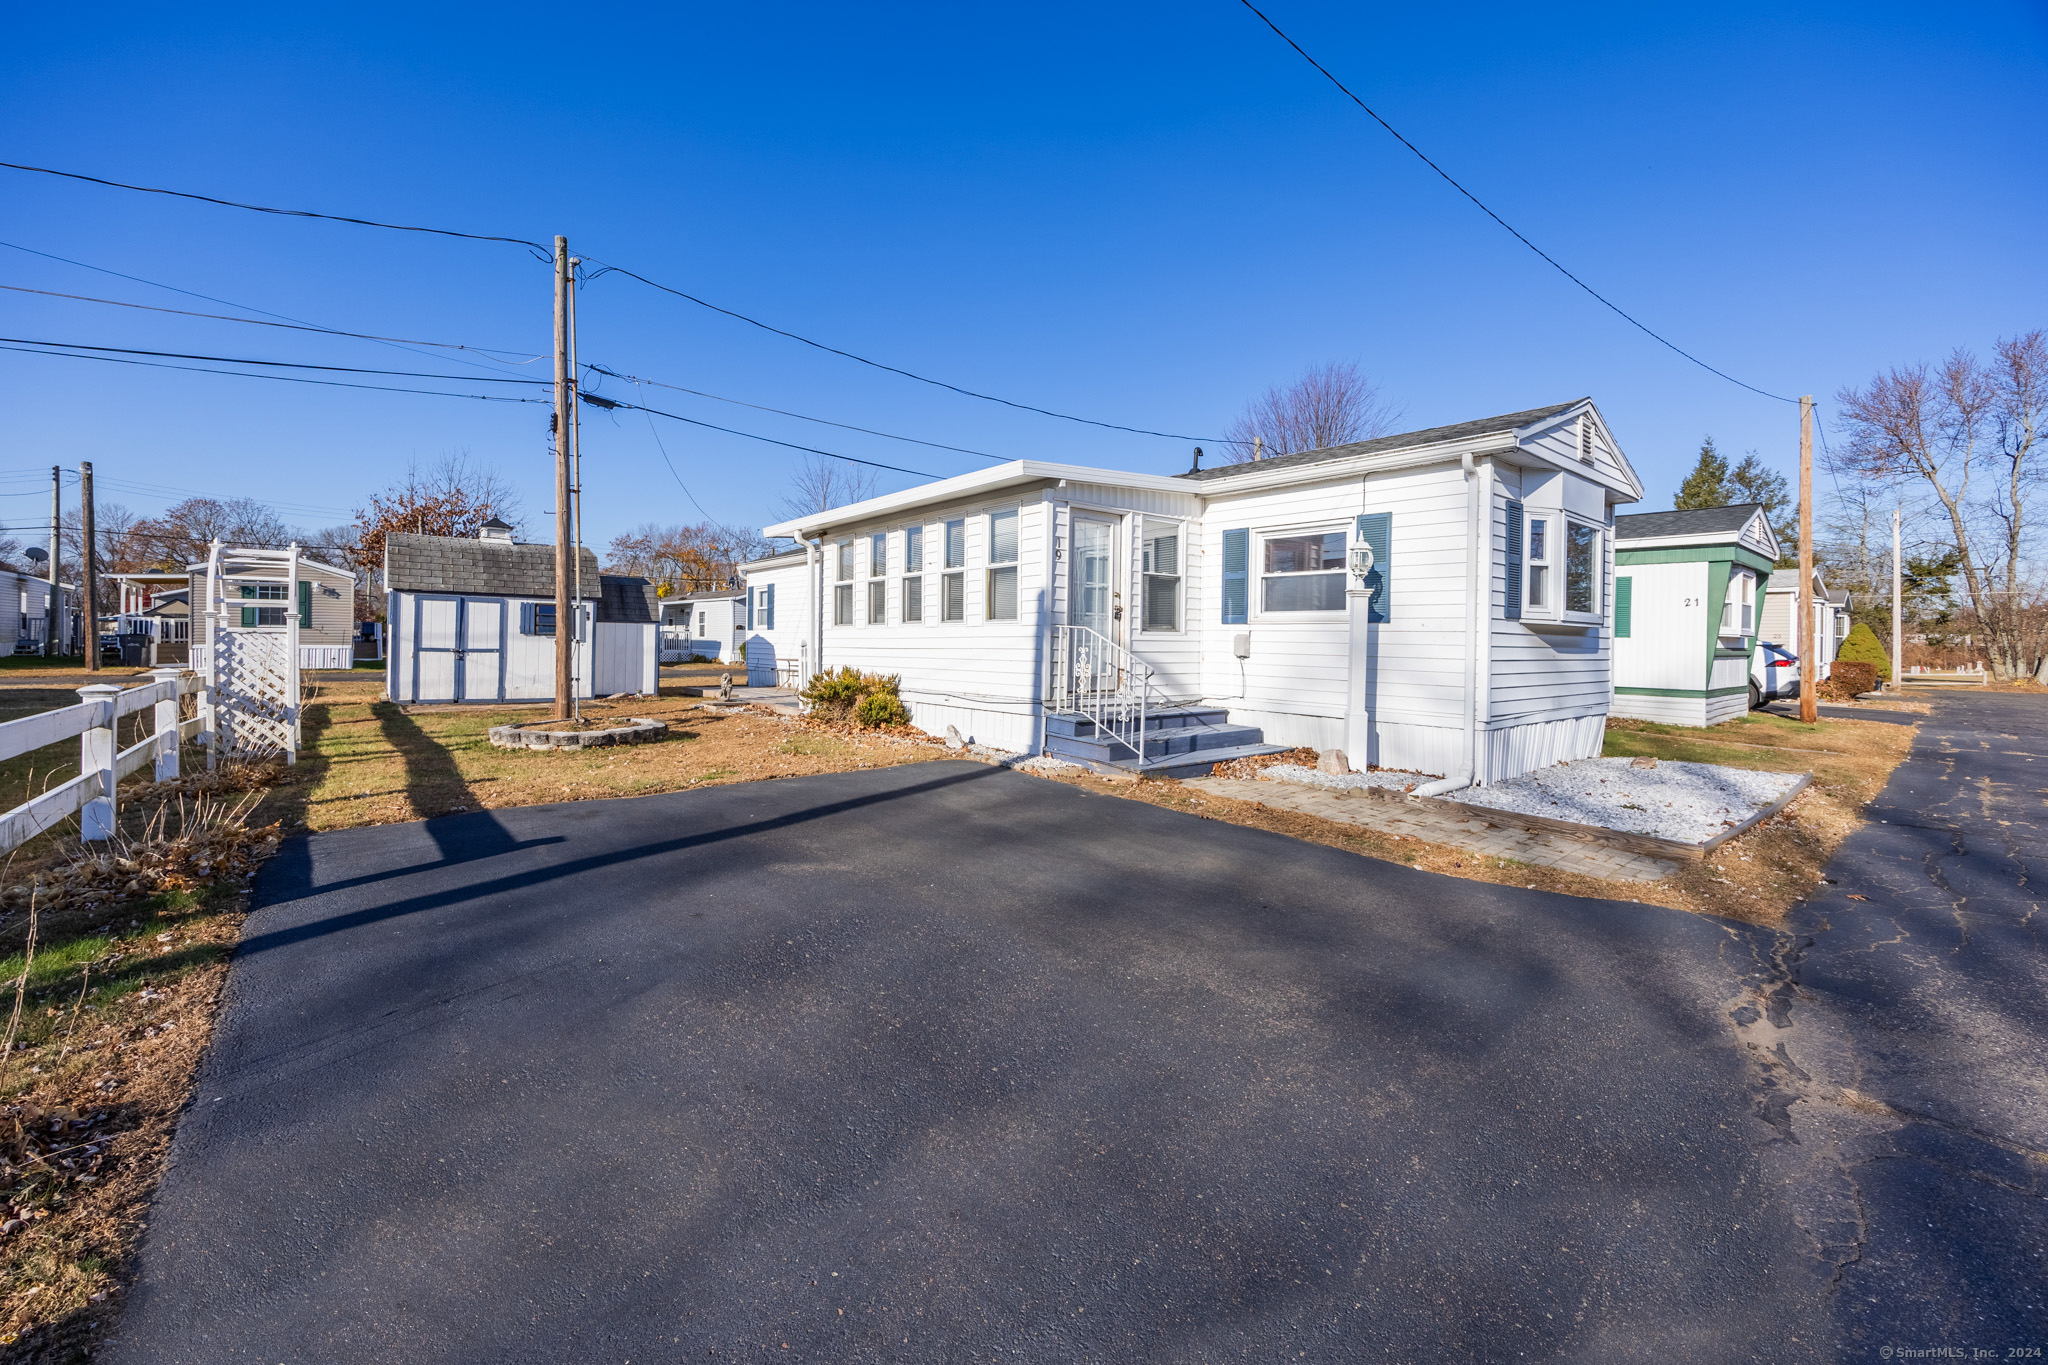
(95, 722)
(1096, 678)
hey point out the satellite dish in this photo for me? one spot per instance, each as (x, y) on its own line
(36, 554)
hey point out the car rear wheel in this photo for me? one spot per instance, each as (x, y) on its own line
(1756, 697)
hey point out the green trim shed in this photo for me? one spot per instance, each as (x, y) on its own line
(1688, 589)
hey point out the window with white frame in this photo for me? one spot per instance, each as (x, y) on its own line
(1161, 569)
(878, 602)
(878, 555)
(1539, 566)
(1581, 569)
(845, 567)
(842, 605)
(1302, 571)
(913, 567)
(913, 549)
(1738, 610)
(953, 586)
(1001, 602)
(913, 599)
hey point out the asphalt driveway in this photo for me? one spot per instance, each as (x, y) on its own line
(949, 1063)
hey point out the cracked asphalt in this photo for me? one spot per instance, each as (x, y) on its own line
(1906, 1053)
(947, 1063)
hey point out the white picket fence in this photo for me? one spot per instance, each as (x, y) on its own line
(102, 764)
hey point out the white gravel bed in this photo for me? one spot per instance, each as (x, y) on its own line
(1312, 777)
(1687, 802)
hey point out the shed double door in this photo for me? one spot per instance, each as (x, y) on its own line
(459, 652)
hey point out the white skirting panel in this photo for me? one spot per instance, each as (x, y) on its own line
(1517, 749)
(1727, 708)
(1286, 727)
(1000, 725)
(327, 656)
(1664, 710)
(1438, 750)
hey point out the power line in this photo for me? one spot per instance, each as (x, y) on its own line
(278, 364)
(656, 434)
(892, 369)
(595, 401)
(282, 378)
(1609, 303)
(283, 213)
(781, 412)
(225, 303)
(290, 326)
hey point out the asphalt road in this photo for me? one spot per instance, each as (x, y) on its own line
(1914, 1018)
(947, 1063)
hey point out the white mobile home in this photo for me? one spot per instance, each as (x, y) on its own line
(1436, 601)
(474, 621)
(777, 639)
(1779, 623)
(24, 611)
(703, 625)
(1688, 587)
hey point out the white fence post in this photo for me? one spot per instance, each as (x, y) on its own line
(167, 722)
(96, 750)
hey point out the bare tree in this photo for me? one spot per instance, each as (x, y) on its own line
(1331, 405)
(454, 496)
(820, 484)
(1969, 436)
(699, 558)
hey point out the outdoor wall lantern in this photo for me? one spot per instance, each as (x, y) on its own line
(1361, 562)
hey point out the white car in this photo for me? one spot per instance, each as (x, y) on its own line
(1773, 674)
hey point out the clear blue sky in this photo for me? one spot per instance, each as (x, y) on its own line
(1141, 213)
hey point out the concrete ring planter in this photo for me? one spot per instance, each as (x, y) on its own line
(536, 735)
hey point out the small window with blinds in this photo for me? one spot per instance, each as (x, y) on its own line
(842, 605)
(953, 597)
(1161, 571)
(913, 599)
(878, 555)
(878, 603)
(913, 549)
(956, 544)
(1002, 537)
(845, 549)
(1302, 572)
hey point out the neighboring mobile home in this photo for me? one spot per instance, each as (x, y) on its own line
(474, 621)
(703, 625)
(1780, 621)
(1688, 586)
(777, 642)
(1436, 601)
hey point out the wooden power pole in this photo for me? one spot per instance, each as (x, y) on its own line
(565, 413)
(1809, 667)
(90, 568)
(1898, 611)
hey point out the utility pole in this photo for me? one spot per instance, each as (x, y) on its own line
(576, 475)
(565, 411)
(1898, 611)
(1809, 667)
(90, 568)
(52, 645)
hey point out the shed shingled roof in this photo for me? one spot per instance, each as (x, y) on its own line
(416, 563)
(1703, 522)
(1457, 431)
(630, 601)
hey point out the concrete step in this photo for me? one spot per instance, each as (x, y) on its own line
(1165, 718)
(1203, 762)
(1159, 744)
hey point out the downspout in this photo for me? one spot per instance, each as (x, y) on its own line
(815, 590)
(1476, 611)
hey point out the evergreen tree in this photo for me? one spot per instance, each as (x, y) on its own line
(1707, 485)
(1862, 646)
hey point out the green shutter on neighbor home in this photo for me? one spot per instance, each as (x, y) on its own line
(1624, 593)
(1514, 562)
(1377, 530)
(1237, 554)
(768, 609)
(305, 604)
(249, 613)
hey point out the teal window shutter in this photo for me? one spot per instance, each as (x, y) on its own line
(1237, 558)
(768, 610)
(249, 613)
(752, 593)
(1624, 594)
(305, 604)
(1514, 562)
(1377, 530)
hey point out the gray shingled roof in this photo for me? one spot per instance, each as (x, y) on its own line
(713, 595)
(1457, 431)
(1704, 522)
(414, 563)
(629, 600)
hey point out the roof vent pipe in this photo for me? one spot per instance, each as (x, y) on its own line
(1196, 467)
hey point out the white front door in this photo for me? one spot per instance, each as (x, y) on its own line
(435, 642)
(1096, 602)
(483, 649)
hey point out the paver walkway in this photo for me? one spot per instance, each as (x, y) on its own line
(1438, 826)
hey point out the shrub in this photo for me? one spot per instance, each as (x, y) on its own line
(839, 693)
(1848, 679)
(1862, 647)
(881, 708)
